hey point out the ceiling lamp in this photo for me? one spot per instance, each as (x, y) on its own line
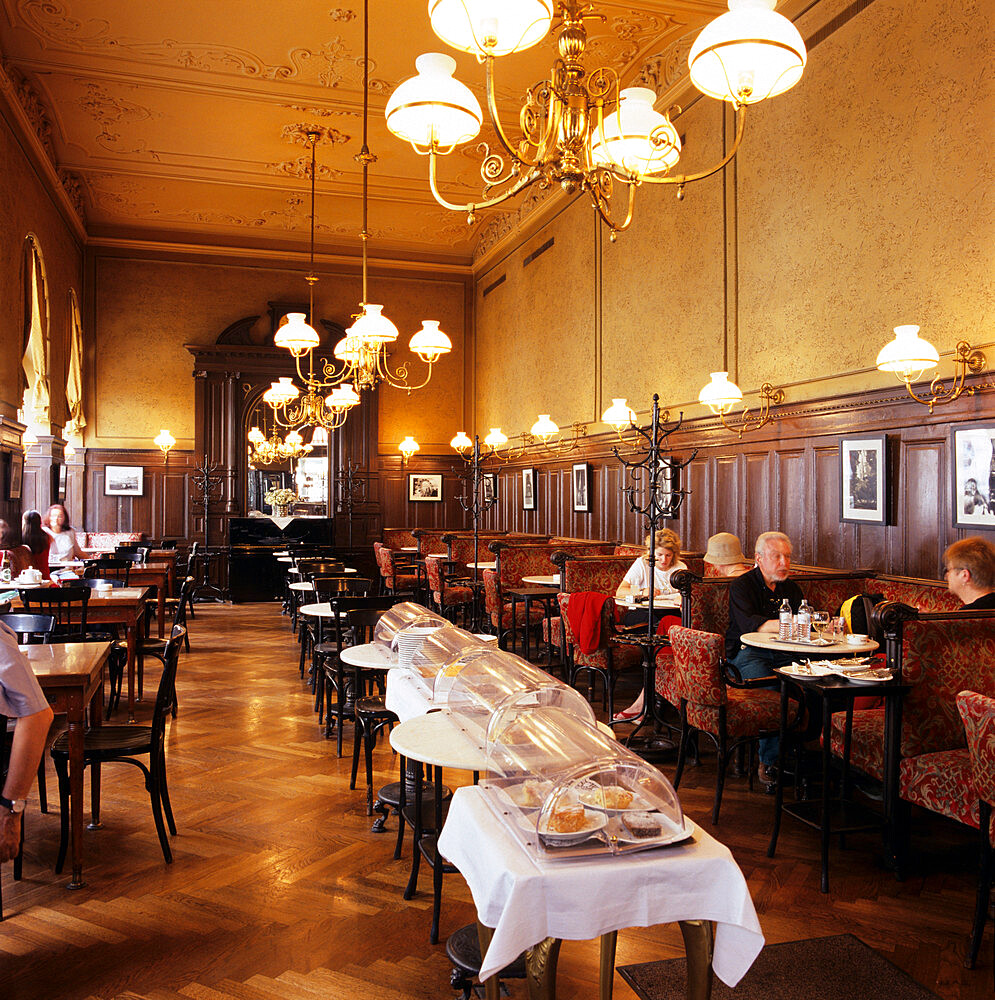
(164, 441)
(720, 396)
(319, 439)
(578, 128)
(910, 357)
(408, 447)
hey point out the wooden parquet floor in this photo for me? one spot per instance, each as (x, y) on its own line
(280, 890)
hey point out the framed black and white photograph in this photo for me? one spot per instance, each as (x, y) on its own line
(972, 451)
(581, 477)
(488, 486)
(528, 489)
(424, 486)
(123, 480)
(16, 476)
(864, 480)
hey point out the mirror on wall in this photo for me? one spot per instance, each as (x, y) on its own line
(282, 459)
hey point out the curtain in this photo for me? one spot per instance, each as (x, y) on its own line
(74, 380)
(35, 360)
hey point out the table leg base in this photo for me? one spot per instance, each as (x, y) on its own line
(77, 880)
(698, 948)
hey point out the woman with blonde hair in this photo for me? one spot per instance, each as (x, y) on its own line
(666, 599)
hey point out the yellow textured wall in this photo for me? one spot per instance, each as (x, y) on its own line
(26, 207)
(146, 310)
(859, 200)
(535, 331)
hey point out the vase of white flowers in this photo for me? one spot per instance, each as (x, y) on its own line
(281, 500)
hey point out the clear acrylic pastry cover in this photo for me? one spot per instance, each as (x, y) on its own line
(565, 788)
(482, 681)
(443, 647)
(402, 616)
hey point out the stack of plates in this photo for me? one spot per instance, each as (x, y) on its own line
(408, 641)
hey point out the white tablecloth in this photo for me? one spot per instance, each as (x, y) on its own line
(526, 900)
(407, 697)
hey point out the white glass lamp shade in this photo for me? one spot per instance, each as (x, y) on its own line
(408, 447)
(372, 327)
(908, 355)
(461, 442)
(319, 439)
(748, 54)
(430, 343)
(281, 392)
(256, 436)
(636, 139)
(491, 27)
(296, 336)
(720, 395)
(164, 440)
(342, 397)
(544, 427)
(496, 439)
(433, 110)
(619, 415)
(293, 438)
(348, 350)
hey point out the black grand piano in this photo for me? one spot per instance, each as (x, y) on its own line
(253, 571)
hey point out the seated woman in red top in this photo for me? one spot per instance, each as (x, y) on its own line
(17, 555)
(36, 540)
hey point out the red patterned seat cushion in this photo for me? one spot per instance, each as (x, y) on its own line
(454, 595)
(867, 741)
(747, 713)
(402, 581)
(941, 782)
(535, 615)
(664, 679)
(551, 630)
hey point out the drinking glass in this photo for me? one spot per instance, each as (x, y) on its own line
(820, 622)
(837, 628)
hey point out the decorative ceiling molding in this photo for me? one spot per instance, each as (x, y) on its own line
(301, 169)
(297, 133)
(110, 113)
(31, 113)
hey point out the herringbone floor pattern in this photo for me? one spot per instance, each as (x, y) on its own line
(279, 890)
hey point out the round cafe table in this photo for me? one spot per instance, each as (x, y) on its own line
(552, 580)
(369, 656)
(768, 640)
(482, 565)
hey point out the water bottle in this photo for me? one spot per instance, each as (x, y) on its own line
(784, 620)
(803, 623)
(5, 568)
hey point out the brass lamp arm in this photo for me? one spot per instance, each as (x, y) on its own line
(966, 359)
(603, 207)
(399, 377)
(471, 207)
(492, 109)
(769, 396)
(683, 179)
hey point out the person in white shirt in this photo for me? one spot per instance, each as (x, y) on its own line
(64, 547)
(21, 698)
(666, 599)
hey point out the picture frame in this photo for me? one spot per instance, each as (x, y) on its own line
(16, 476)
(582, 487)
(63, 483)
(489, 487)
(528, 489)
(972, 459)
(124, 480)
(864, 486)
(425, 486)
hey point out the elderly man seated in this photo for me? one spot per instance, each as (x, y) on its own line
(754, 602)
(969, 567)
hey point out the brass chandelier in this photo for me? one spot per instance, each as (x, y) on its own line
(360, 358)
(578, 129)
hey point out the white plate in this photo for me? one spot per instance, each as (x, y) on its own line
(885, 676)
(516, 794)
(668, 835)
(811, 673)
(860, 663)
(593, 821)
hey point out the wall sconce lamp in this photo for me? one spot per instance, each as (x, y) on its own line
(407, 448)
(462, 445)
(910, 357)
(545, 429)
(720, 396)
(164, 441)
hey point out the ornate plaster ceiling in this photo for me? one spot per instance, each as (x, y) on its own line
(184, 121)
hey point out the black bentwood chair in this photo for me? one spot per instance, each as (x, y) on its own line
(125, 745)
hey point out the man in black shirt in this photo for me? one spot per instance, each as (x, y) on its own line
(969, 568)
(754, 602)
